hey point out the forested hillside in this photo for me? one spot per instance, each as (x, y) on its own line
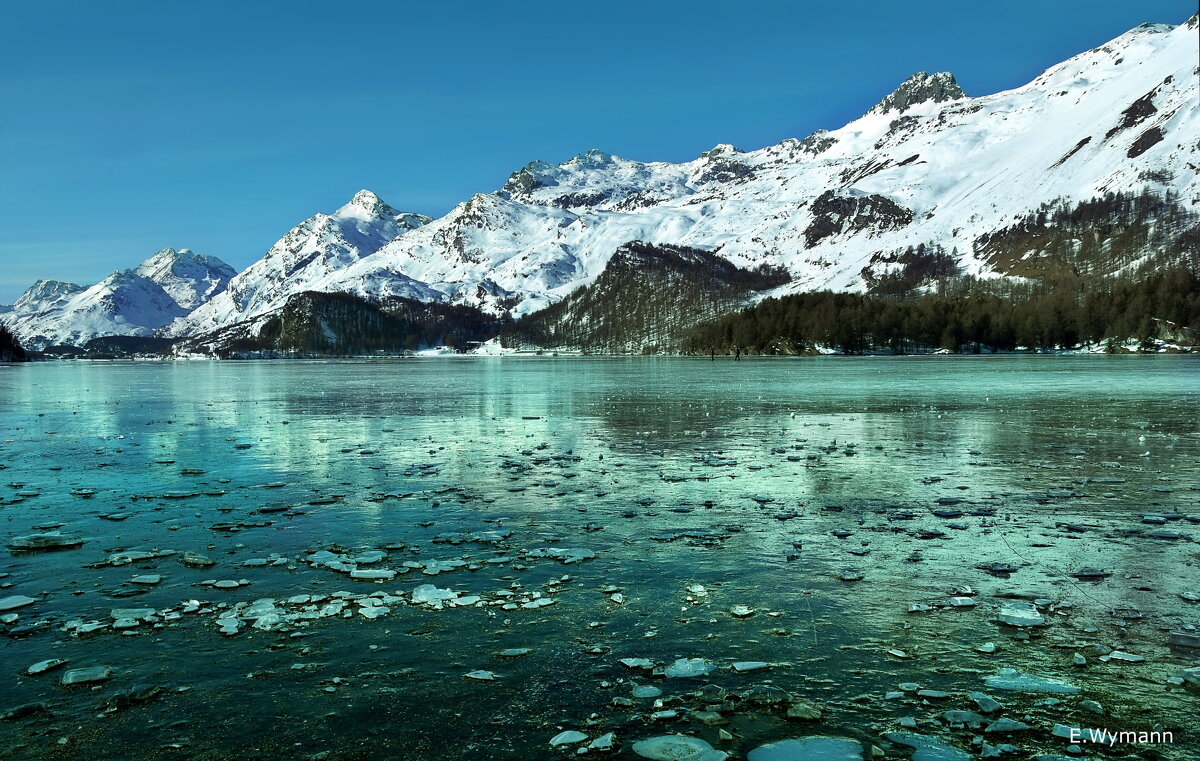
(339, 324)
(1163, 306)
(648, 299)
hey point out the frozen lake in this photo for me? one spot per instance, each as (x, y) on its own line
(847, 530)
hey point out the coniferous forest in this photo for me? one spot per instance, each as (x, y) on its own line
(1163, 306)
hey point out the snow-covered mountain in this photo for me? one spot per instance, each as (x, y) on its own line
(44, 294)
(929, 166)
(309, 258)
(190, 278)
(135, 302)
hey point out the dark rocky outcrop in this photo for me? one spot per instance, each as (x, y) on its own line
(724, 170)
(1145, 142)
(921, 88)
(577, 200)
(1138, 111)
(1078, 147)
(836, 212)
(527, 179)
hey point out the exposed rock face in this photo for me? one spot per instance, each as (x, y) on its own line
(844, 211)
(1145, 142)
(920, 88)
(532, 176)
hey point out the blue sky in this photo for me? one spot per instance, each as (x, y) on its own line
(127, 127)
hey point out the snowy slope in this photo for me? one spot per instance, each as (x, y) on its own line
(136, 302)
(928, 164)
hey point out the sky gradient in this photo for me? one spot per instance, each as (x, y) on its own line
(128, 127)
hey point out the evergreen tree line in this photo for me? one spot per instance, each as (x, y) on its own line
(10, 348)
(340, 324)
(1164, 305)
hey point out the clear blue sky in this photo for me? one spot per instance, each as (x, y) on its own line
(126, 127)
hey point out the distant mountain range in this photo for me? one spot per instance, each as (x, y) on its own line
(137, 302)
(929, 182)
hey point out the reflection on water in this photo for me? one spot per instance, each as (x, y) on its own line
(677, 472)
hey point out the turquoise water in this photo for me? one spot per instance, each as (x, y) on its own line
(673, 472)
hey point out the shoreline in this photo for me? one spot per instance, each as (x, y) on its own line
(548, 354)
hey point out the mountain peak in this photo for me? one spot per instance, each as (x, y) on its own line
(189, 278)
(534, 175)
(53, 286)
(1151, 28)
(594, 158)
(920, 88)
(178, 260)
(46, 293)
(721, 149)
(169, 256)
(366, 203)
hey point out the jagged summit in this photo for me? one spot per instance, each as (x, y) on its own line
(167, 254)
(920, 88)
(304, 259)
(173, 259)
